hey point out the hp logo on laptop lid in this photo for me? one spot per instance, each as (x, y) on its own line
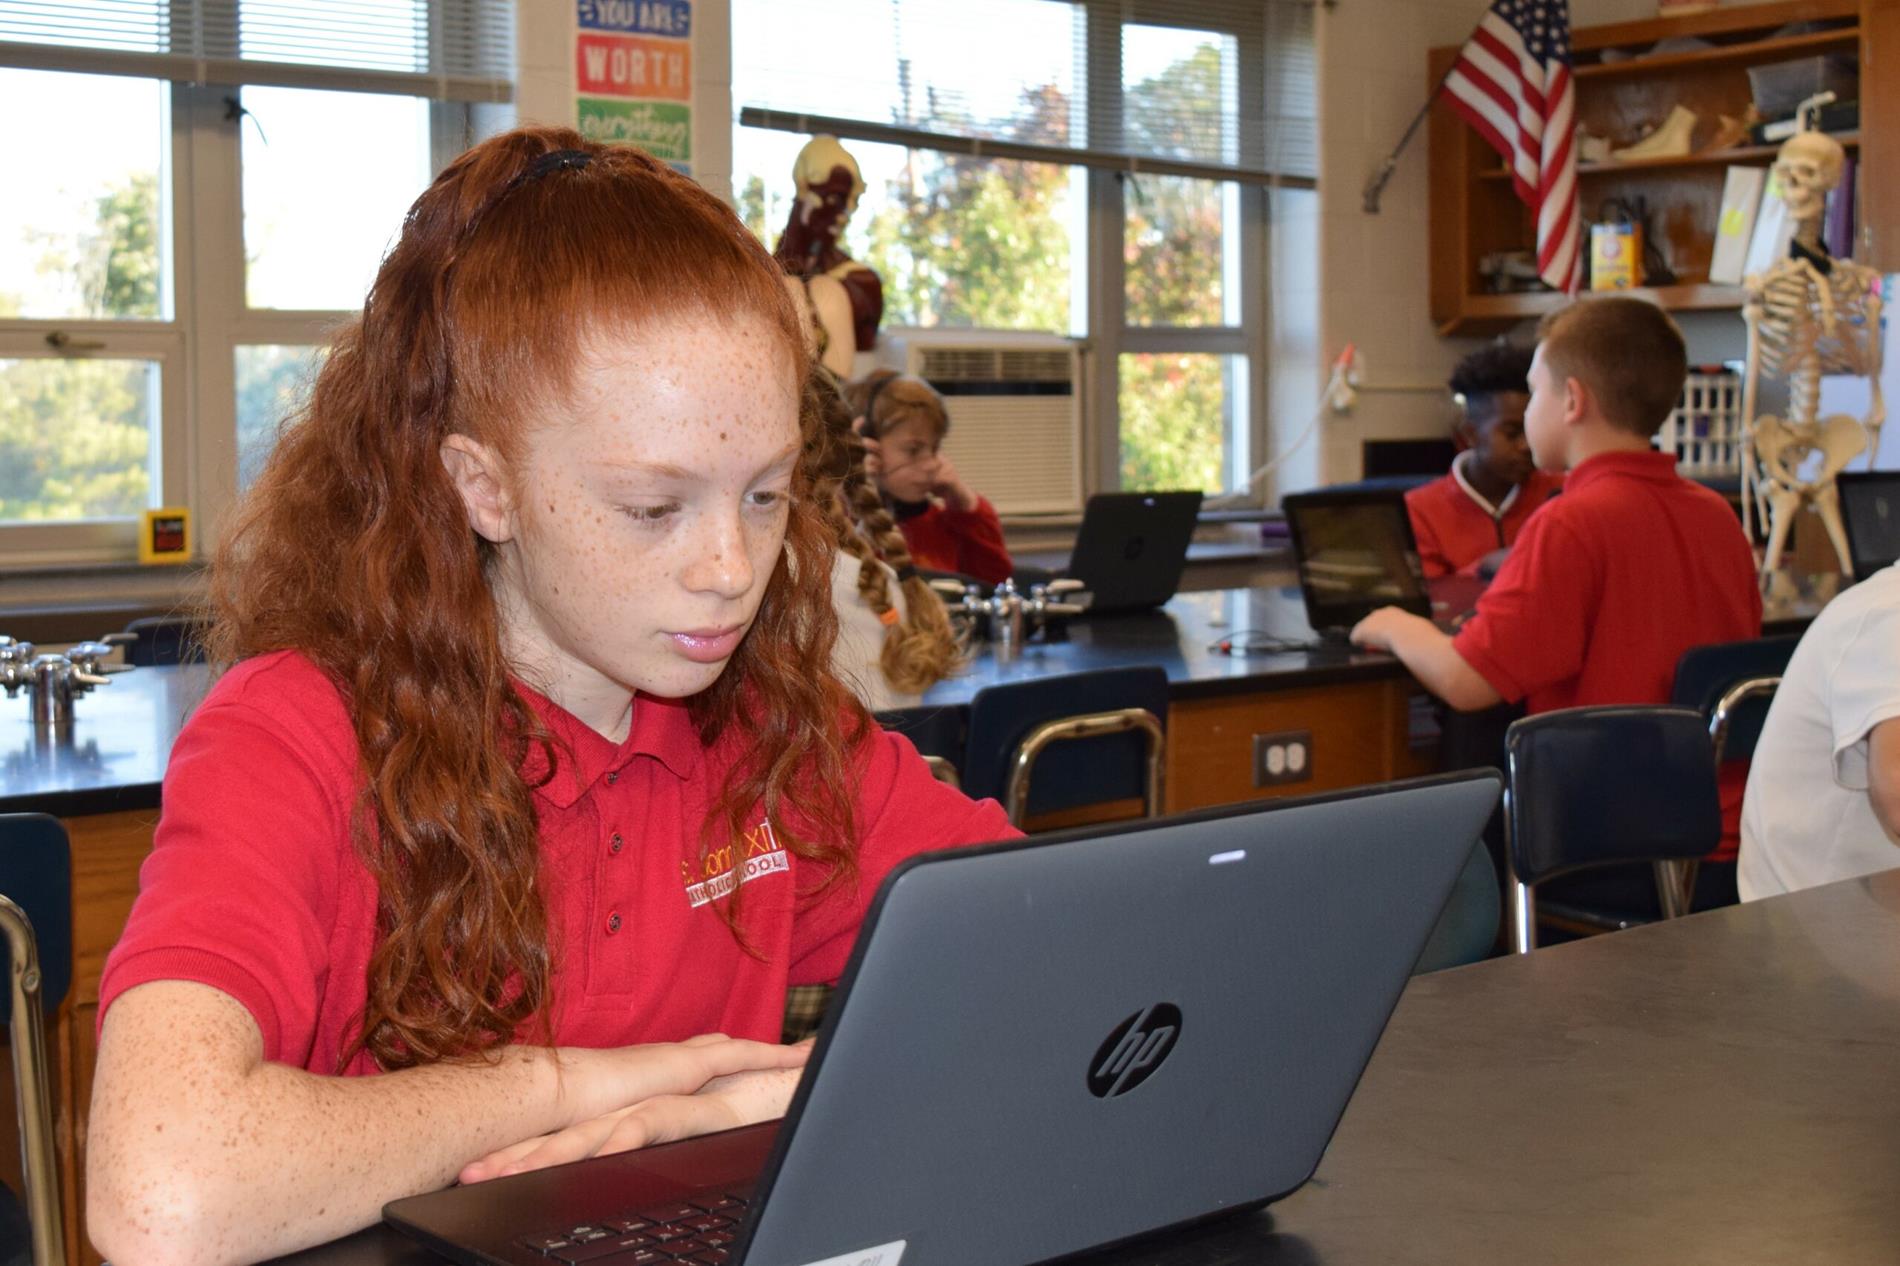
(1134, 1050)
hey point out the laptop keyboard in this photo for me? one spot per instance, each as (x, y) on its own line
(698, 1229)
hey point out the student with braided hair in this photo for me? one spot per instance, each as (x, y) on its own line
(946, 523)
(894, 636)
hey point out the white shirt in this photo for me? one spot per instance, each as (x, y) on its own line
(1806, 817)
(861, 637)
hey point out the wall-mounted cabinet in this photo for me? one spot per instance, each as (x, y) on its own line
(1624, 90)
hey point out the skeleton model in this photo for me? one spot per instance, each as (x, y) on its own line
(843, 299)
(1807, 316)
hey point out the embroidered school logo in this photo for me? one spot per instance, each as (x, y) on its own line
(754, 856)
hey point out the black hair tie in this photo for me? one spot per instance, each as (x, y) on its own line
(548, 164)
(905, 573)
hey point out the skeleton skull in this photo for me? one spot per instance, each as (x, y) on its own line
(1807, 168)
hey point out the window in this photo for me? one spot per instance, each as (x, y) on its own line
(957, 239)
(1095, 167)
(167, 282)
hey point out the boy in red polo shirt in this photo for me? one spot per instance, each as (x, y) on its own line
(1611, 582)
(1476, 511)
(1614, 580)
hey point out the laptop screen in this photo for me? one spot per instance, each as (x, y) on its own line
(1870, 510)
(1356, 553)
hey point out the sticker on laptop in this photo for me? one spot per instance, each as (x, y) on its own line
(883, 1255)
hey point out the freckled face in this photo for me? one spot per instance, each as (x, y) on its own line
(651, 508)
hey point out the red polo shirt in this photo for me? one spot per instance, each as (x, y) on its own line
(1456, 527)
(966, 541)
(1608, 586)
(255, 889)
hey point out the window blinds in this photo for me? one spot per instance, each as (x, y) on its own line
(455, 50)
(1219, 89)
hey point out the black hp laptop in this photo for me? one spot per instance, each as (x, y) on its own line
(1041, 1047)
(1870, 511)
(1356, 553)
(1132, 547)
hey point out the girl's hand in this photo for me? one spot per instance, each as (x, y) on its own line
(873, 457)
(676, 1090)
(950, 486)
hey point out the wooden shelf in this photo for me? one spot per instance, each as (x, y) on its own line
(1708, 158)
(1758, 51)
(1475, 214)
(1729, 20)
(1485, 314)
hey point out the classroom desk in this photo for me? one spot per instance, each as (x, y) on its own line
(1717, 1089)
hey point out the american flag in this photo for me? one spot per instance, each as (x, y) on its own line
(1512, 82)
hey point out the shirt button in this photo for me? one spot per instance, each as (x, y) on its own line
(613, 844)
(613, 776)
(613, 924)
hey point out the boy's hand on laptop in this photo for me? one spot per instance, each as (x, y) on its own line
(680, 1089)
(1380, 630)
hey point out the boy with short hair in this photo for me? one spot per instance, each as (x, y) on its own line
(1610, 583)
(1466, 519)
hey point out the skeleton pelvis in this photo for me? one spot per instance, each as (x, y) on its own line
(1784, 447)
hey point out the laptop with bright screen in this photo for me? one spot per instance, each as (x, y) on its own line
(1041, 1047)
(1356, 553)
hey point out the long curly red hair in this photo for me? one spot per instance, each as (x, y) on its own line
(354, 549)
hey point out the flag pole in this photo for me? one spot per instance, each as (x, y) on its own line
(1375, 183)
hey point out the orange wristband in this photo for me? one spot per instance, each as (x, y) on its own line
(887, 617)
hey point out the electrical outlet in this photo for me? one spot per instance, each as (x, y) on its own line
(1282, 758)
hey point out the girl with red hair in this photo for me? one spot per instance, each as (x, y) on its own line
(525, 781)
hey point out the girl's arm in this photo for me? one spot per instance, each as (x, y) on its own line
(201, 1151)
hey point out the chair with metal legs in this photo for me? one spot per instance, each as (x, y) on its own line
(936, 731)
(1064, 744)
(1590, 787)
(36, 921)
(1731, 684)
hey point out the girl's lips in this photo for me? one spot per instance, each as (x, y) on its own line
(709, 646)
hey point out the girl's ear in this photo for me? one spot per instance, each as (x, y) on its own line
(480, 479)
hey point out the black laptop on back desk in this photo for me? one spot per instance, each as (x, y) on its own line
(1132, 548)
(1041, 1047)
(1870, 514)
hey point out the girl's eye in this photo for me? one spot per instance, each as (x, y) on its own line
(651, 514)
(768, 499)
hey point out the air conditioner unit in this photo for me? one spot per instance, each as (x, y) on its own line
(1015, 404)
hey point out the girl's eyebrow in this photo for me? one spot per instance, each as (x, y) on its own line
(667, 470)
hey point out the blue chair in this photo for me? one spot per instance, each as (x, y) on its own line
(1731, 684)
(1052, 744)
(1593, 787)
(936, 731)
(165, 639)
(36, 904)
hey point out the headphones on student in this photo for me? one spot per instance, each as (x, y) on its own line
(865, 425)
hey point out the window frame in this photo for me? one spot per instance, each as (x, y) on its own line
(210, 319)
(1111, 334)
